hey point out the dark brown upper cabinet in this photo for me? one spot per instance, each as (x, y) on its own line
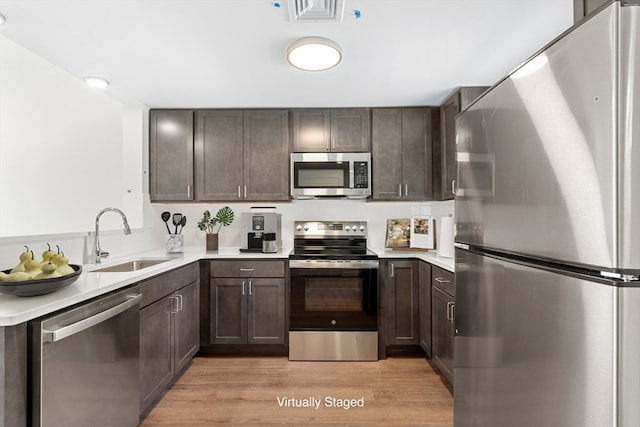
(331, 130)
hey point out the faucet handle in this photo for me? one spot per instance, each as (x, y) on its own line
(103, 254)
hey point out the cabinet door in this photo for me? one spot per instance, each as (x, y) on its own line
(449, 110)
(186, 325)
(156, 367)
(228, 311)
(425, 307)
(266, 155)
(266, 311)
(311, 130)
(170, 155)
(403, 302)
(443, 306)
(416, 154)
(446, 165)
(386, 153)
(219, 154)
(350, 130)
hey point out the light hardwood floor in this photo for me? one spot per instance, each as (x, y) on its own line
(248, 390)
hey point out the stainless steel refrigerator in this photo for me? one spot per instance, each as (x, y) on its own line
(548, 236)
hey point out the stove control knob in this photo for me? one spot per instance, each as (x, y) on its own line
(306, 227)
(347, 228)
(298, 227)
(362, 228)
(333, 322)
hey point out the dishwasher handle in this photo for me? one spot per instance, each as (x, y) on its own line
(74, 328)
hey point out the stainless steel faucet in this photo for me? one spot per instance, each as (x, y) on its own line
(99, 253)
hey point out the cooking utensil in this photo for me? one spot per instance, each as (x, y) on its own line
(182, 224)
(165, 217)
(177, 219)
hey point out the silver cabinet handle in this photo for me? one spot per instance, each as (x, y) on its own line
(179, 302)
(245, 191)
(74, 328)
(174, 298)
(333, 143)
(243, 282)
(189, 191)
(250, 286)
(246, 270)
(400, 190)
(450, 311)
(392, 270)
(239, 194)
(453, 312)
(406, 190)
(453, 186)
(441, 280)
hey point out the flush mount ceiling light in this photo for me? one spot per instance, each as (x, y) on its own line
(314, 54)
(97, 82)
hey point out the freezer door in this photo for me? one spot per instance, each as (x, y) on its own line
(538, 155)
(532, 348)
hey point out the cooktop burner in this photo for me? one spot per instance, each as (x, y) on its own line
(331, 240)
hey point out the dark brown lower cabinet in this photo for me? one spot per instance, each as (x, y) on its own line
(400, 279)
(247, 302)
(247, 311)
(443, 318)
(169, 331)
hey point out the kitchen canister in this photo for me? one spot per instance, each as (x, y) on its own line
(445, 243)
(174, 243)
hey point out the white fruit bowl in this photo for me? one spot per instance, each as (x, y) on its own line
(32, 288)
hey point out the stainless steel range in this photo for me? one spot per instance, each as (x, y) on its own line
(334, 292)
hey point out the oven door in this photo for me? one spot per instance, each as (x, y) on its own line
(334, 297)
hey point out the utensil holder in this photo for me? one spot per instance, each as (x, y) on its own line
(174, 243)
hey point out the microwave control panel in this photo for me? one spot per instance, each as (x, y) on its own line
(361, 175)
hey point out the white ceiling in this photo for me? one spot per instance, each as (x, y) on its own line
(231, 53)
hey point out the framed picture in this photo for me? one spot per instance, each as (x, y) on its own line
(422, 231)
(398, 233)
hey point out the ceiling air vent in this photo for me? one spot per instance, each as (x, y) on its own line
(316, 10)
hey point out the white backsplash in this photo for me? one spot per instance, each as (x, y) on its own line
(79, 246)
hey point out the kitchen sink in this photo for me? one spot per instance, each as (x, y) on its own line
(135, 265)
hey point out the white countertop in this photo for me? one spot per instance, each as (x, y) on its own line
(15, 310)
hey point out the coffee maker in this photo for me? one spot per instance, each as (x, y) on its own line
(260, 232)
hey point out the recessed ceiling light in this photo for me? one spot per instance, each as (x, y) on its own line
(97, 82)
(314, 54)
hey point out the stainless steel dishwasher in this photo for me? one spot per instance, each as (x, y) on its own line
(85, 364)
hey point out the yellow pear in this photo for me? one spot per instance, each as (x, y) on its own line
(48, 271)
(24, 257)
(57, 257)
(63, 266)
(47, 255)
(32, 267)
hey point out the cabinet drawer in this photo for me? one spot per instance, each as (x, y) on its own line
(247, 268)
(160, 286)
(444, 280)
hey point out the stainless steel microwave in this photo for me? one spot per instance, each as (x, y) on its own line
(316, 175)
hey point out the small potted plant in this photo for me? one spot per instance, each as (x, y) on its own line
(212, 224)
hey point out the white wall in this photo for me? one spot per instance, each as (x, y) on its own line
(61, 148)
